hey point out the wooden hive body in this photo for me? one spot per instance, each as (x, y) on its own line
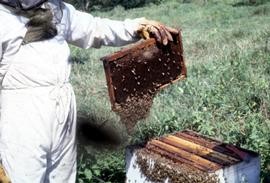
(145, 67)
(189, 157)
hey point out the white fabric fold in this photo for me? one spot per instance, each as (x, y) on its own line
(37, 105)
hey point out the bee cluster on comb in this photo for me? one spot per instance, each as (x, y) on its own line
(135, 74)
(187, 156)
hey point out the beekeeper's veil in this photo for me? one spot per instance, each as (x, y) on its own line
(43, 15)
(25, 5)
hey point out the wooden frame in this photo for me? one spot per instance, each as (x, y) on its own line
(144, 67)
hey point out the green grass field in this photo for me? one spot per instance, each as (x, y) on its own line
(226, 94)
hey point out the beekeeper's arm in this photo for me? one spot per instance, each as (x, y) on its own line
(86, 31)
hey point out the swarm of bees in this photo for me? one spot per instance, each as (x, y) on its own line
(159, 169)
(135, 109)
(135, 75)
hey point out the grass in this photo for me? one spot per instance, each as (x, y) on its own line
(226, 94)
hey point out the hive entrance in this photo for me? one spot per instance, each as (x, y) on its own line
(134, 75)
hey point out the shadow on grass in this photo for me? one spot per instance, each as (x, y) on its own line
(91, 133)
(96, 139)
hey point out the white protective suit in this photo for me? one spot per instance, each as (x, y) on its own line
(37, 103)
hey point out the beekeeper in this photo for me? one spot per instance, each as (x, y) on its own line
(37, 102)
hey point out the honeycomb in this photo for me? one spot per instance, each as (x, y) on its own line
(143, 69)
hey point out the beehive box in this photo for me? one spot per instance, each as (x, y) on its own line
(143, 68)
(187, 157)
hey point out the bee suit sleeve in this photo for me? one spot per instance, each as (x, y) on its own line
(1, 49)
(86, 31)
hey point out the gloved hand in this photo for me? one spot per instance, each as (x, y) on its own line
(161, 32)
(3, 177)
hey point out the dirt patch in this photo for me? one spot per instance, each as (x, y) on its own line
(158, 169)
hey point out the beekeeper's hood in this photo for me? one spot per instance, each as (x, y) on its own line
(23, 4)
(54, 5)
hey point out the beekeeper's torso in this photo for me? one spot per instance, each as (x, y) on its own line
(37, 104)
(47, 62)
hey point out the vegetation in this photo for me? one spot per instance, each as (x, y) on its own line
(102, 5)
(226, 94)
